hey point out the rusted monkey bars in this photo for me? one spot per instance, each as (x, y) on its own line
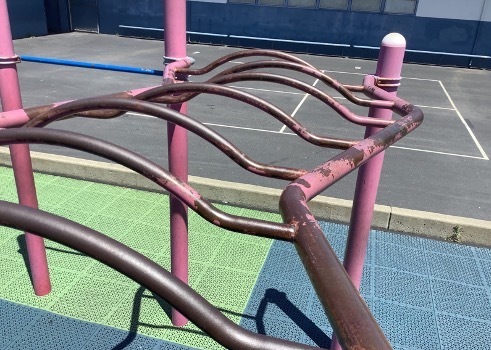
(353, 324)
(350, 318)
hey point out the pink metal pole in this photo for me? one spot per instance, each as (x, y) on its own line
(175, 49)
(21, 159)
(388, 74)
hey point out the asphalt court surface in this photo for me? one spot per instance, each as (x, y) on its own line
(441, 167)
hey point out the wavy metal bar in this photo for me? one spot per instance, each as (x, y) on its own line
(240, 54)
(349, 315)
(155, 93)
(152, 172)
(143, 271)
(313, 72)
(277, 113)
(80, 106)
(297, 84)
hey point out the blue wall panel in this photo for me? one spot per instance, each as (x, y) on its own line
(140, 13)
(325, 26)
(27, 18)
(354, 28)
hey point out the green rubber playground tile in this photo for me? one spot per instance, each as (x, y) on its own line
(49, 195)
(115, 228)
(203, 247)
(10, 270)
(226, 288)
(6, 234)
(127, 207)
(148, 196)
(223, 265)
(148, 239)
(65, 258)
(20, 290)
(89, 201)
(101, 271)
(92, 299)
(11, 247)
(8, 191)
(227, 256)
(159, 214)
(77, 216)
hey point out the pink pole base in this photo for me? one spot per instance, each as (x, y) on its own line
(21, 159)
(177, 143)
(175, 49)
(388, 70)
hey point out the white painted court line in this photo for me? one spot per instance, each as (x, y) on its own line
(293, 134)
(266, 90)
(246, 128)
(220, 125)
(437, 152)
(432, 107)
(479, 147)
(335, 97)
(299, 105)
(421, 106)
(353, 73)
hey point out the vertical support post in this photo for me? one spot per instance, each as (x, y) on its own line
(175, 48)
(21, 159)
(388, 74)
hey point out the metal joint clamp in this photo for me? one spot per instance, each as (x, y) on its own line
(168, 59)
(387, 82)
(9, 60)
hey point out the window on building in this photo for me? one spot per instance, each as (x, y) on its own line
(366, 5)
(333, 4)
(252, 2)
(400, 6)
(302, 3)
(377, 6)
(271, 2)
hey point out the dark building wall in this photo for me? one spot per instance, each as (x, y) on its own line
(313, 25)
(309, 25)
(343, 27)
(27, 18)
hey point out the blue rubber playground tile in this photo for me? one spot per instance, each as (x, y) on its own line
(425, 294)
(26, 328)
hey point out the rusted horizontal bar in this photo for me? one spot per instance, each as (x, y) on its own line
(143, 271)
(75, 108)
(20, 117)
(277, 113)
(348, 314)
(152, 172)
(241, 54)
(313, 72)
(156, 93)
(297, 84)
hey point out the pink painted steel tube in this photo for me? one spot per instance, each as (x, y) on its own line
(175, 49)
(388, 74)
(21, 159)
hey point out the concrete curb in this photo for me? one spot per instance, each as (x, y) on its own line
(434, 225)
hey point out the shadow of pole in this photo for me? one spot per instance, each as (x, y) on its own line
(273, 296)
(21, 241)
(135, 318)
